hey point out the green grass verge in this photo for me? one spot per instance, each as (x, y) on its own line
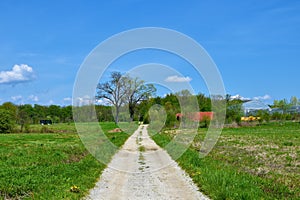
(247, 163)
(47, 165)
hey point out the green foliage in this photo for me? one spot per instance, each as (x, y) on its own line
(7, 122)
(281, 116)
(23, 115)
(146, 119)
(10, 107)
(205, 122)
(27, 128)
(104, 113)
(46, 129)
(171, 105)
(26, 115)
(204, 103)
(234, 112)
(282, 104)
(264, 116)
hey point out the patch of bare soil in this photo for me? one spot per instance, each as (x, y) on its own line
(116, 130)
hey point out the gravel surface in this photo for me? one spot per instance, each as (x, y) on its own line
(142, 170)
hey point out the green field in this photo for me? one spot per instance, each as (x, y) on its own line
(260, 162)
(47, 165)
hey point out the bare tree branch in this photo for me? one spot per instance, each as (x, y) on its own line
(124, 90)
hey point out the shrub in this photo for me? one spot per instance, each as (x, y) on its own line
(45, 129)
(204, 123)
(7, 121)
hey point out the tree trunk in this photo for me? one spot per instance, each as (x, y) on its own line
(117, 115)
(131, 111)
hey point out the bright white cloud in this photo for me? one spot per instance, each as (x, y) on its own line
(178, 79)
(239, 97)
(265, 97)
(33, 98)
(103, 101)
(19, 73)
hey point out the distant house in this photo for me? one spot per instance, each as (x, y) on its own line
(196, 116)
(45, 122)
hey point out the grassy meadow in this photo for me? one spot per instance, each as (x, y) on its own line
(261, 162)
(46, 165)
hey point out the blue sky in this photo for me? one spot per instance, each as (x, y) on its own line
(255, 44)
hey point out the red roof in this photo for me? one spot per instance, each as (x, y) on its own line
(197, 116)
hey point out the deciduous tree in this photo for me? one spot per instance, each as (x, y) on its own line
(114, 91)
(136, 92)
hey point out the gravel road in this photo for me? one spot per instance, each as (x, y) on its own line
(142, 170)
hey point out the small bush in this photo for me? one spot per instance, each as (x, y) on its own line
(27, 128)
(45, 129)
(205, 122)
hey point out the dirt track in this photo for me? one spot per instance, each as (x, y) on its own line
(142, 170)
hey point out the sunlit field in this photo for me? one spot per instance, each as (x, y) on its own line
(53, 164)
(261, 162)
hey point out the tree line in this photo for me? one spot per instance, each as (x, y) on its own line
(136, 98)
(26, 114)
(23, 115)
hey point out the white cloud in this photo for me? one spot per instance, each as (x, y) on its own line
(33, 98)
(239, 97)
(21, 100)
(265, 97)
(67, 99)
(103, 101)
(178, 79)
(85, 100)
(17, 98)
(19, 73)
